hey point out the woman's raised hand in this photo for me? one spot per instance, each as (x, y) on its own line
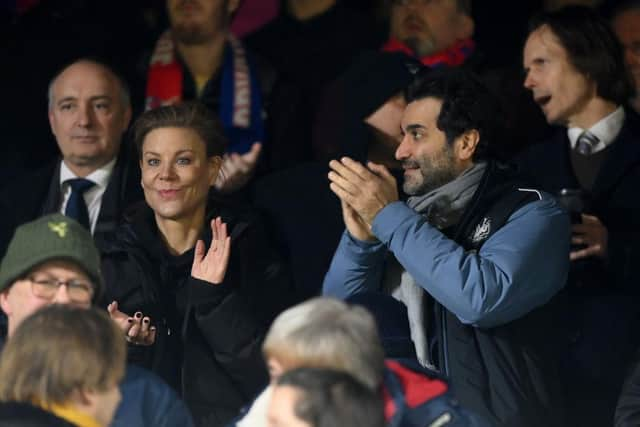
(212, 266)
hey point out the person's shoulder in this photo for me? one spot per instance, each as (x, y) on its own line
(631, 122)
(35, 180)
(146, 396)
(127, 234)
(420, 393)
(542, 209)
(239, 215)
(18, 414)
(139, 380)
(550, 141)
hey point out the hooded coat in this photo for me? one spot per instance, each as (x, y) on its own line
(209, 337)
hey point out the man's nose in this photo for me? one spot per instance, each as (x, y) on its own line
(402, 151)
(85, 116)
(529, 81)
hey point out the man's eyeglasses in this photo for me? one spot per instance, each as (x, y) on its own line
(46, 287)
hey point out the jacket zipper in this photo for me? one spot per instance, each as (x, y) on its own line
(445, 349)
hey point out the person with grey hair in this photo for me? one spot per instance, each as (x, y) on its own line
(93, 181)
(327, 333)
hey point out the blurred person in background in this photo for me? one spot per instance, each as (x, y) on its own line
(62, 367)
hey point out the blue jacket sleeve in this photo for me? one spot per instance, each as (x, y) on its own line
(520, 267)
(356, 266)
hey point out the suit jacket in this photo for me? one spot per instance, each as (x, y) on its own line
(601, 320)
(614, 200)
(38, 193)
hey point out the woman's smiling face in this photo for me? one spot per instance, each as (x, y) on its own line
(176, 172)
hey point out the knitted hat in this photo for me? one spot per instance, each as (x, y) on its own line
(48, 238)
(374, 77)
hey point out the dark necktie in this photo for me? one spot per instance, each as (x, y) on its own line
(76, 207)
(586, 143)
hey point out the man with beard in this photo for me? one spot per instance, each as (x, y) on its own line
(437, 32)
(198, 58)
(575, 70)
(475, 255)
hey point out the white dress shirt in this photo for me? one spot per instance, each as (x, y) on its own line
(93, 196)
(607, 129)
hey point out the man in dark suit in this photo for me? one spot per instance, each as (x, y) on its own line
(89, 111)
(575, 71)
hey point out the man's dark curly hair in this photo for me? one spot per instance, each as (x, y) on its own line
(467, 104)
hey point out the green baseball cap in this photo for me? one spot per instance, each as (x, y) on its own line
(50, 237)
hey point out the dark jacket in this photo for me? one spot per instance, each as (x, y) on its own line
(38, 193)
(517, 367)
(602, 317)
(147, 401)
(415, 396)
(13, 414)
(614, 200)
(209, 337)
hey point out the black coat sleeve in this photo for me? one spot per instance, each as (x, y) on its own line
(234, 316)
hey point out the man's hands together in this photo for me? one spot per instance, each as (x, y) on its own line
(363, 192)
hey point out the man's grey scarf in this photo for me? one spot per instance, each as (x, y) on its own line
(443, 207)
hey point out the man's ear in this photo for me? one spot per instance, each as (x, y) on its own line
(466, 145)
(51, 121)
(4, 302)
(86, 400)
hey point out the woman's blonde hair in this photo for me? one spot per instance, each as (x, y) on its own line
(58, 350)
(327, 333)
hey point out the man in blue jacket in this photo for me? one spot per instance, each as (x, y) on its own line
(476, 256)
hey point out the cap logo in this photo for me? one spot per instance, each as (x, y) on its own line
(60, 228)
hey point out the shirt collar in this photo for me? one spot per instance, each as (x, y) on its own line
(100, 176)
(607, 129)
